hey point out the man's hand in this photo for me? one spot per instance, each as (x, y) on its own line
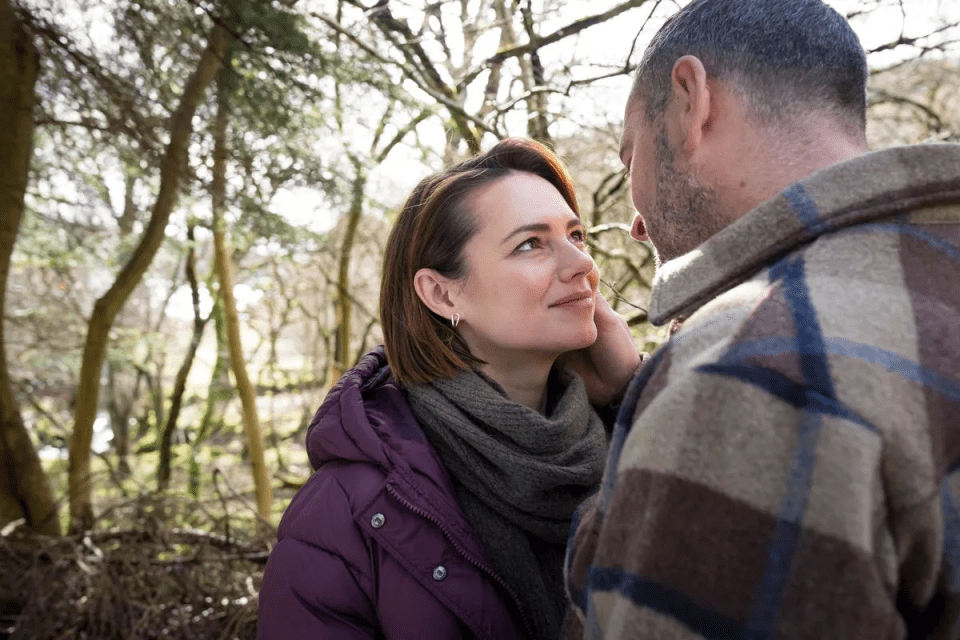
(608, 364)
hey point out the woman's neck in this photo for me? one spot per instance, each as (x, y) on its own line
(524, 383)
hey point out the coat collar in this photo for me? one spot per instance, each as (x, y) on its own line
(864, 189)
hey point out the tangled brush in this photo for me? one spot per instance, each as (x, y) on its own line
(144, 579)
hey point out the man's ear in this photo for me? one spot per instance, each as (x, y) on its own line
(693, 101)
(435, 291)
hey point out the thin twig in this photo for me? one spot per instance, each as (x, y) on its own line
(619, 296)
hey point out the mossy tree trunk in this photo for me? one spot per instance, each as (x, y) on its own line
(344, 307)
(180, 383)
(24, 487)
(107, 307)
(223, 267)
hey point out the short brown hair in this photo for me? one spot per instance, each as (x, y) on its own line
(434, 225)
(787, 57)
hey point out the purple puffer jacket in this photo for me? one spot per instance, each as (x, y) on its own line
(375, 544)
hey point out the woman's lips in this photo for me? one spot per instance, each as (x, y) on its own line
(576, 300)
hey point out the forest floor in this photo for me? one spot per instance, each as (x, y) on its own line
(138, 578)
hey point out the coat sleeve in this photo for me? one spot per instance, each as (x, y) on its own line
(741, 503)
(308, 592)
(311, 589)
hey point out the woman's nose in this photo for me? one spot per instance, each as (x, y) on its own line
(576, 263)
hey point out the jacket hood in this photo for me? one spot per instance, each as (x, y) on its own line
(366, 418)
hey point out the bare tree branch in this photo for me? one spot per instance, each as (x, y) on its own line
(543, 41)
(412, 74)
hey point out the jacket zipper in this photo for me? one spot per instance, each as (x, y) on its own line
(468, 558)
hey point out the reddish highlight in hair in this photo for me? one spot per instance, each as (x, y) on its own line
(434, 225)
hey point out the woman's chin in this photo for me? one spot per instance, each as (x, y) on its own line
(585, 339)
(590, 336)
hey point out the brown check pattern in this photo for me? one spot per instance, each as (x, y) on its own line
(786, 465)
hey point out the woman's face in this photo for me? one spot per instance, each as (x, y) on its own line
(530, 285)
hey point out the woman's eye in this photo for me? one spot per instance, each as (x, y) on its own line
(579, 235)
(528, 244)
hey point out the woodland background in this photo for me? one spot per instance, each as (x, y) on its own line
(194, 199)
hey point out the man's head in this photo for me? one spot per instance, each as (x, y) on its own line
(733, 101)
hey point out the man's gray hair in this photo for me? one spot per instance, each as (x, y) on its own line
(785, 57)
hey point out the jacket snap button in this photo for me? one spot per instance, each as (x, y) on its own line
(377, 520)
(439, 573)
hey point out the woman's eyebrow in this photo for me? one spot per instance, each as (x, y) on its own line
(540, 227)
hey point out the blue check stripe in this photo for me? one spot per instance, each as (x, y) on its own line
(805, 208)
(904, 367)
(786, 537)
(579, 596)
(818, 386)
(647, 593)
(904, 229)
(951, 540)
(810, 344)
(893, 362)
(787, 390)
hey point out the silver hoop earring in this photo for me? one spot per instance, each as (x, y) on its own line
(455, 320)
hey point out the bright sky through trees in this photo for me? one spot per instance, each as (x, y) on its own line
(608, 45)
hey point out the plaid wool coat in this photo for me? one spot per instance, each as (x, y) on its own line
(786, 466)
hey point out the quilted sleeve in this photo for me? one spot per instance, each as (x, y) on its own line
(315, 584)
(308, 592)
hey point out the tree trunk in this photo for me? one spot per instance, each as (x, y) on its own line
(108, 306)
(533, 81)
(219, 391)
(120, 409)
(180, 384)
(342, 355)
(218, 395)
(24, 487)
(224, 270)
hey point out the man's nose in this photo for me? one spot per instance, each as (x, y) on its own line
(638, 230)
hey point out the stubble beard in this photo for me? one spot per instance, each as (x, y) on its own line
(687, 212)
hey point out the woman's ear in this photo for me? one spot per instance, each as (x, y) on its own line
(434, 290)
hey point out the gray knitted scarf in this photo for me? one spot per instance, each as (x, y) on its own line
(518, 476)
